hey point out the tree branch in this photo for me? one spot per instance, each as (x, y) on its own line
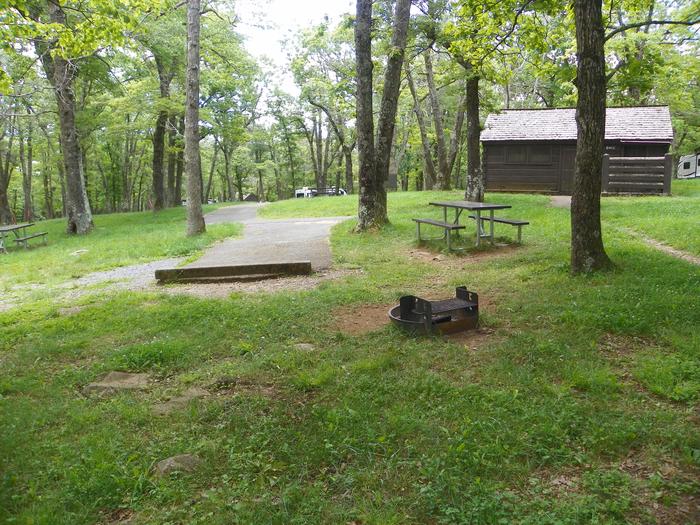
(651, 23)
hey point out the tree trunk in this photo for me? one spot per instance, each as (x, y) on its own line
(374, 155)
(371, 209)
(320, 162)
(26, 162)
(159, 200)
(193, 169)
(348, 169)
(172, 162)
(6, 216)
(48, 187)
(443, 179)
(179, 171)
(587, 251)
(429, 164)
(239, 181)
(475, 175)
(212, 169)
(61, 73)
(290, 155)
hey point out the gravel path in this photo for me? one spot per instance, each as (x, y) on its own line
(270, 241)
(133, 277)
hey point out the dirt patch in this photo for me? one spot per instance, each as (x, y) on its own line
(120, 517)
(462, 260)
(360, 319)
(619, 346)
(684, 509)
(472, 339)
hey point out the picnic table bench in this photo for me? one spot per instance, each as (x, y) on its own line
(20, 233)
(447, 226)
(502, 220)
(477, 208)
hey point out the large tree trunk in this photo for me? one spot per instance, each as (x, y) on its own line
(587, 251)
(61, 73)
(320, 161)
(195, 218)
(475, 175)
(371, 208)
(374, 156)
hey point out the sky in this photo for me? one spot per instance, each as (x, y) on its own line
(265, 23)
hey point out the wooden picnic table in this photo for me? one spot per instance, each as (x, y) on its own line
(20, 233)
(477, 208)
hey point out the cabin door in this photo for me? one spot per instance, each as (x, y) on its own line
(566, 173)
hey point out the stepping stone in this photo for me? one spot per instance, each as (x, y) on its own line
(118, 382)
(307, 347)
(180, 463)
(179, 402)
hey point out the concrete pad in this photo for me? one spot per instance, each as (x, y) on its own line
(118, 381)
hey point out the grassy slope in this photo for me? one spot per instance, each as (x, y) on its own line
(117, 240)
(580, 408)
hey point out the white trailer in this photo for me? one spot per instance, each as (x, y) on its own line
(688, 166)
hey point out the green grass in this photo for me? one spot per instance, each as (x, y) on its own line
(673, 221)
(580, 407)
(117, 240)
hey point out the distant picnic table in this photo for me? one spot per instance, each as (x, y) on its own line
(20, 233)
(477, 208)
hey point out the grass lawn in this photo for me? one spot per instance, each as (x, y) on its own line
(673, 221)
(117, 240)
(579, 403)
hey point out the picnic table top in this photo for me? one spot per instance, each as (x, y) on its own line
(13, 227)
(470, 205)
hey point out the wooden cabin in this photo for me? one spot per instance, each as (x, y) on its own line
(533, 150)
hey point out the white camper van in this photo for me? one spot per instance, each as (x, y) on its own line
(689, 166)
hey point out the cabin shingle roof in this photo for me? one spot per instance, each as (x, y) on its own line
(643, 123)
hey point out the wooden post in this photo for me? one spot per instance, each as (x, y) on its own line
(606, 172)
(668, 170)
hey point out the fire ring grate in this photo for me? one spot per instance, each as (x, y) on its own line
(420, 316)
